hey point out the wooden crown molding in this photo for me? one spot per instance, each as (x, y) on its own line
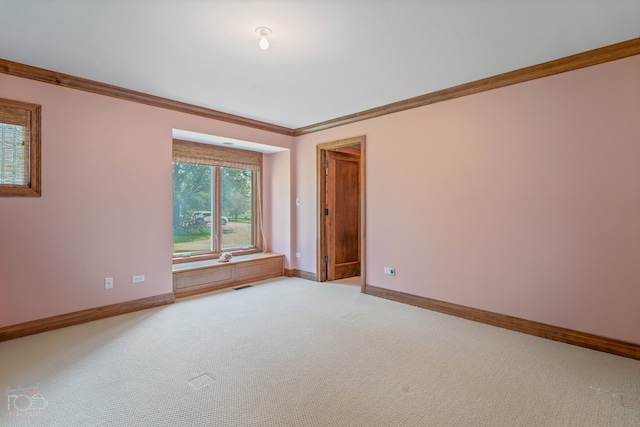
(65, 80)
(569, 63)
(555, 333)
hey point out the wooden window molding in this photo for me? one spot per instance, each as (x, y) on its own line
(20, 148)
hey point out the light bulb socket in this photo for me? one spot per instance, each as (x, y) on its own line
(264, 32)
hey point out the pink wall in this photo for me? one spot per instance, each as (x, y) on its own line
(522, 200)
(304, 234)
(277, 200)
(105, 209)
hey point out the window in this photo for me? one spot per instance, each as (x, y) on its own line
(215, 200)
(19, 148)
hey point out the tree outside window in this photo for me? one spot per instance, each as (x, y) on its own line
(214, 206)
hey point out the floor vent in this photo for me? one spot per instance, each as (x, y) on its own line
(201, 381)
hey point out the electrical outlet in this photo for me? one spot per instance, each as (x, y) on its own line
(108, 282)
(390, 271)
(137, 279)
(298, 255)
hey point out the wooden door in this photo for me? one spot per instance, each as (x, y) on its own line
(342, 215)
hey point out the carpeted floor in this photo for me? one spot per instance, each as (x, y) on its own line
(291, 352)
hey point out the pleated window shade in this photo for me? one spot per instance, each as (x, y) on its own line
(213, 155)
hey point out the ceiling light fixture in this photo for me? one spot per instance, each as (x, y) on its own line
(264, 32)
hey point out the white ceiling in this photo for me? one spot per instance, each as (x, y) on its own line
(328, 58)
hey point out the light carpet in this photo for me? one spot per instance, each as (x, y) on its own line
(291, 352)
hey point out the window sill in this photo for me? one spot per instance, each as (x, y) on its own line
(212, 256)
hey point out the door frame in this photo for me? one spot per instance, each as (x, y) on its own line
(321, 150)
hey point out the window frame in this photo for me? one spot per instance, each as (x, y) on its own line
(223, 157)
(34, 128)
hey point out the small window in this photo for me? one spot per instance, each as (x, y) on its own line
(19, 148)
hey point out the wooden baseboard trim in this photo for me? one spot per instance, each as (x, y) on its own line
(82, 316)
(301, 274)
(568, 336)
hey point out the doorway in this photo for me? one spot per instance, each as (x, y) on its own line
(341, 213)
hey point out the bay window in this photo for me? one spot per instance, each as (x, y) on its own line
(216, 205)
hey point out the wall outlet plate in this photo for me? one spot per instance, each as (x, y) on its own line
(108, 282)
(137, 279)
(390, 271)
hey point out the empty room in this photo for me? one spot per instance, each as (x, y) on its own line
(318, 213)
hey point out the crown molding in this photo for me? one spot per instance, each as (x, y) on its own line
(65, 80)
(569, 63)
(546, 69)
